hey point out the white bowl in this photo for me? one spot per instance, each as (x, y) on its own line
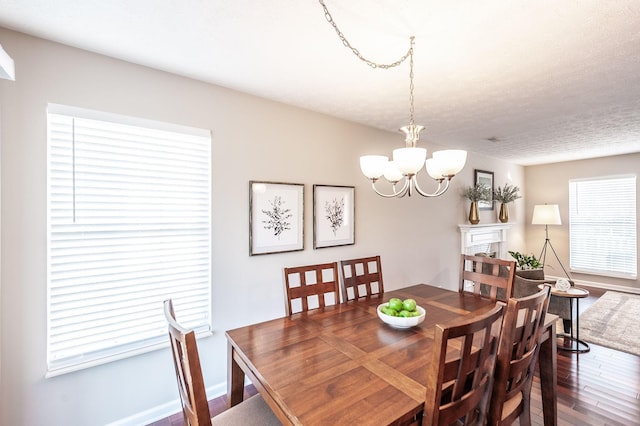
(401, 322)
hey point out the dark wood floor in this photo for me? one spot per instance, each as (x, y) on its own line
(598, 388)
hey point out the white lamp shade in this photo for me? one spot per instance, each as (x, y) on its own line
(450, 161)
(546, 214)
(409, 160)
(373, 166)
(391, 172)
(434, 169)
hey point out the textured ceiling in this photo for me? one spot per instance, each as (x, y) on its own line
(526, 81)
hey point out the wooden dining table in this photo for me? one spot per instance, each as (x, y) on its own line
(342, 365)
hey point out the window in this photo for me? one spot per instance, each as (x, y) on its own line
(128, 227)
(602, 214)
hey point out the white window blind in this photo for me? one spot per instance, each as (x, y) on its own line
(128, 227)
(602, 214)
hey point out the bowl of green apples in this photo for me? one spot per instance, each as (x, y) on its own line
(400, 313)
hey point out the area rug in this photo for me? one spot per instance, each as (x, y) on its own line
(613, 321)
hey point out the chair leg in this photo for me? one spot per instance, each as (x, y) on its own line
(566, 324)
(525, 416)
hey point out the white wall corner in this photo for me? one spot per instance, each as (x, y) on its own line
(7, 67)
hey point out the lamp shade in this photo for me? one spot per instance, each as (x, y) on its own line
(451, 161)
(409, 160)
(391, 172)
(434, 168)
(546, 214)
(372, 166)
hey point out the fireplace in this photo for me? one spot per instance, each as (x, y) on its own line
(490, 239)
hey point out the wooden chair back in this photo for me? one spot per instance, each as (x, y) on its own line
(317, 284)
(188, 372)
(361, 277)
(491, 277)
(517, 354)
(461, 370)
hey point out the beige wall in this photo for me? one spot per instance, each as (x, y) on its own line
(550, 184)
(253, 138)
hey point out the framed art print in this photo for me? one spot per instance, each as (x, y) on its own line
(276, 217)
(482, 176)
(333, 216)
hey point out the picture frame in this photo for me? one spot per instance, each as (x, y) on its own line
(333, 216)
(485, 177)
(276, 217)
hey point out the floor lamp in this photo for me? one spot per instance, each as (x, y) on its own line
(547, 214)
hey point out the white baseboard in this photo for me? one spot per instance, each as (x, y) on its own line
(603, 286)
(167, 409)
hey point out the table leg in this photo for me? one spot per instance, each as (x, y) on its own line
(548, 367)
(577, 345)
(579, 342)
(235, 379)
(571, 315)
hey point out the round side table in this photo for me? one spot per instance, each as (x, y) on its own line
(573, 293)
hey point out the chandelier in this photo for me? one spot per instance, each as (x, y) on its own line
(401, 172)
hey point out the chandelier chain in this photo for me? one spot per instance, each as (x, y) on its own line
(407, 161)
(372, 64)
(411, 83)
(356, 52)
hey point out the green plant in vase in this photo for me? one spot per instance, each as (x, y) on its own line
(478, 192)
(505, 195)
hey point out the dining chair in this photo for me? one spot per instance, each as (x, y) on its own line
(527, 282)
(195, 407)
(460, 374)
(317, 284)
(491, 277)
(361, 277)
(517, 354)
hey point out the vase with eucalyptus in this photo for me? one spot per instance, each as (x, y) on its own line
(479, 192)
(505, 195)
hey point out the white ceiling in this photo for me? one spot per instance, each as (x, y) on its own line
(527, 81)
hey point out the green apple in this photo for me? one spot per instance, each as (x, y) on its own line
(388, 311)
(409, 305)
(396, 304)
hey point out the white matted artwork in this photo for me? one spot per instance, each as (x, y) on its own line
(333, 216)
(276, 217)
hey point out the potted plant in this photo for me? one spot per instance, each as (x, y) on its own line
(524, 261)
(478, 192)
(505, 195)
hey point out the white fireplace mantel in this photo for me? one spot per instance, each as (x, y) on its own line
(486, 237)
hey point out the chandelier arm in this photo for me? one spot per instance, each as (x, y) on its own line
(398, 194)
(439, 191)
(355, 51)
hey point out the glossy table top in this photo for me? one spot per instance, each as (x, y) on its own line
(571, 292)
(342, 364)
